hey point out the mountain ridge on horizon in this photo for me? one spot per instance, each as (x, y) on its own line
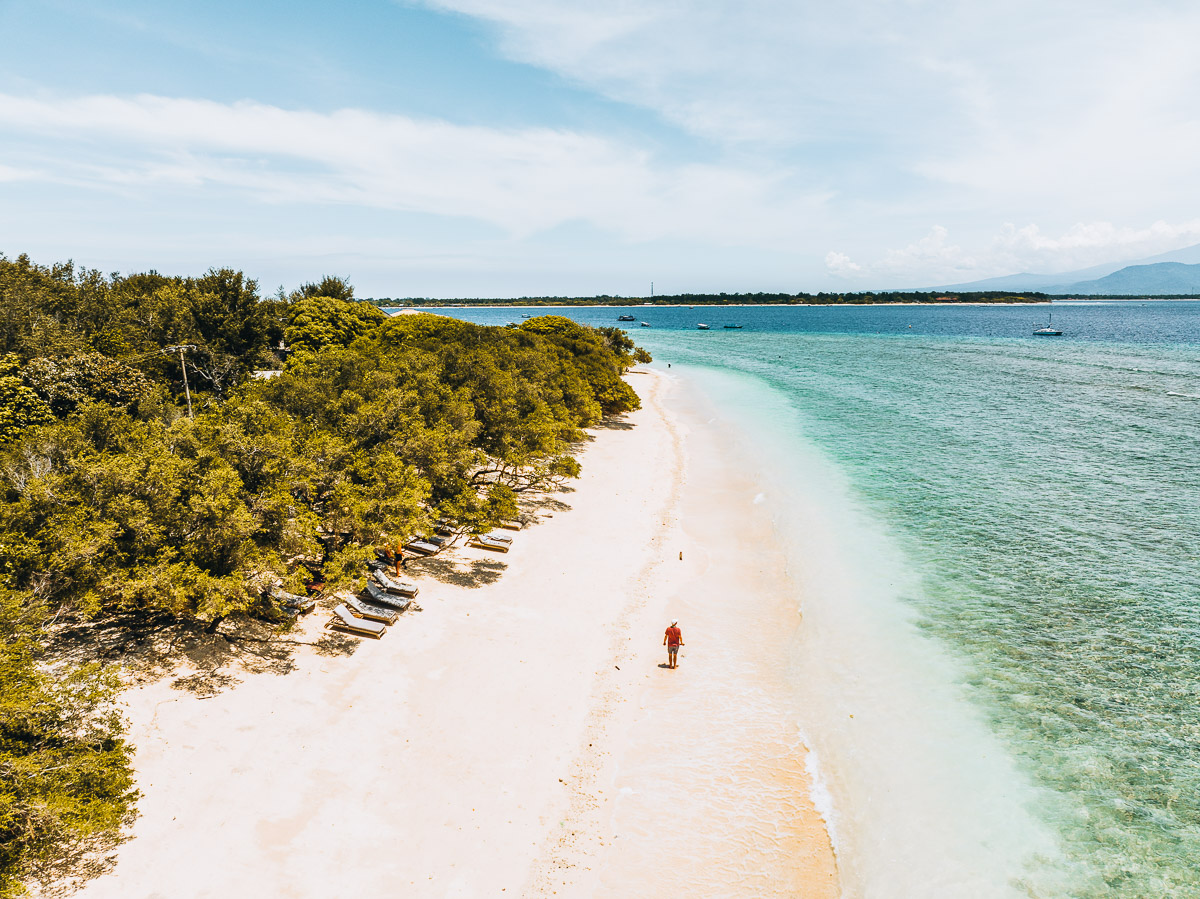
(1172, 272)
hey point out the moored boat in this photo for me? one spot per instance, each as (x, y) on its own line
(702, 326)
(1048, 330)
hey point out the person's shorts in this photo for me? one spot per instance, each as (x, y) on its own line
(672, 650)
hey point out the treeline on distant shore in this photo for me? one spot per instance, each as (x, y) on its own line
(735, 299)
(118, 505)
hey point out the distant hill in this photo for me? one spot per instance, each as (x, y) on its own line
(1170, 278)
(1143, 276)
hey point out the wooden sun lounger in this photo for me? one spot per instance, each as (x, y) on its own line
(420, 546)
(343, 620)
(488, 543)
(372, 612)
(391, 585)
(503, 538)
(511, 525)
(382, 598)
(292, 602)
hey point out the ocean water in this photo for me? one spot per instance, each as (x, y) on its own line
(995, 541)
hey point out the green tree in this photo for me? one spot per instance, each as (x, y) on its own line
(329, 286)
(20, 407)
(66, 783)
(321, 321)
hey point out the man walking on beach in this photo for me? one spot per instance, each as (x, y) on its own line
(673, 639)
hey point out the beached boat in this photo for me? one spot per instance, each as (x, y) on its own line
(702, 326)
(626, 318)
(1049, 330)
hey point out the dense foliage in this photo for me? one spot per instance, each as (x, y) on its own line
(114, 501)
(66, 788)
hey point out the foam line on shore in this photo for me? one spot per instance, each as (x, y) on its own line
(926, 801)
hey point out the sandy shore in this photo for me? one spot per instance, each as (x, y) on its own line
(518, 735)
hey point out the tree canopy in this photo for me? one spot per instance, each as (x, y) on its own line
(115, 502)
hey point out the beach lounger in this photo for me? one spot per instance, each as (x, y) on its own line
(503, 538)
(292, 602)
(343, 620)
(422, 547)
(511, 525)
(372, 612)
(381, 597)
(391, 585)
(485, 542)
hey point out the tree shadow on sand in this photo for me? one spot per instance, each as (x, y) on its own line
(152, 647)
(458, 571)
(611, 423)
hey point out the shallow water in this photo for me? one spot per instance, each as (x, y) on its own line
(994, 538)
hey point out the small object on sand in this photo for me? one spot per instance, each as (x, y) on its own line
(681, 555)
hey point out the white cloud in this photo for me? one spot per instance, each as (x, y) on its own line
(1091, 239)
(8, 173)
(520, 180)
(935, 258)
(840, 264)
(1029, 109)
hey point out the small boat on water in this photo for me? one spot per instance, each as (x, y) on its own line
(626, 318)
(702, 326)
(1049, 330)
(645, 324)
(732, 326)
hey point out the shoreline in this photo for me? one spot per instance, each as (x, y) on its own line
(509, 737)
(1055, 301)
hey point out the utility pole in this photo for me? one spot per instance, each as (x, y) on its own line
(183, 367)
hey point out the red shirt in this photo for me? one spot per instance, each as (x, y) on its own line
(674, 636)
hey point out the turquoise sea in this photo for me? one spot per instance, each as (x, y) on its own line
(1006, 604)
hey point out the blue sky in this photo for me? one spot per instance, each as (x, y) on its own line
(483, 148)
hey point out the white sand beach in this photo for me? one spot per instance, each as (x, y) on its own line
(518, 735)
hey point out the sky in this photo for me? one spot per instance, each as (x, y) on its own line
(497, 148)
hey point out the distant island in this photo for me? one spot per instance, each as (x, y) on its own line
(734, 299)
(1166, 280)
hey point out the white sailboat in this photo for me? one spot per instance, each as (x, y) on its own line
(1048, 330)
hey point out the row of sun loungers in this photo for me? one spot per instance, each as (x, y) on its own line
(386, 598)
